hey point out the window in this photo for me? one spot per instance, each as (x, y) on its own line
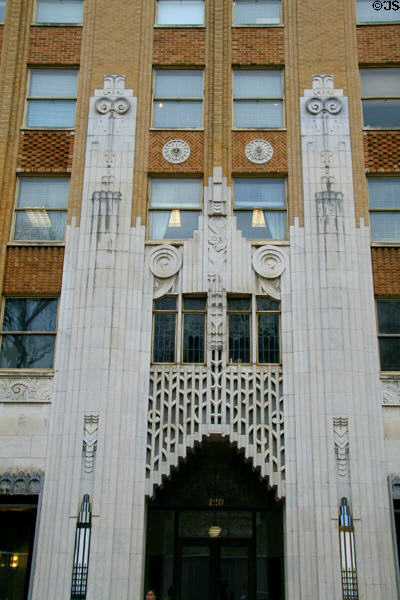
(381, 97)
(178, 99)
(257, 99)
(260, 208)
(384, 202)
(174, 208)
(28, 333)
(2, 10)
(180, 12)
(51, 100)
(366, 13)
(41, 208)
(59, 11)
(192, 325)
(389, 334)
(266, 333)
(256, 12)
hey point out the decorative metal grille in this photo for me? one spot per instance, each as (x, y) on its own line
(347, 553)
(243, 403)
(81, 554)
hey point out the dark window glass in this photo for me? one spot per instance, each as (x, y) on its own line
(167, 303)
(239, 304)
(268, 338)
(239, 338)
(389, 334)
(29, 346)
(193, 338)
(164, 338)
(381, 97)
(389, 316)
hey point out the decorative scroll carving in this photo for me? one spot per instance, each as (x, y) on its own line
(176, 151)
(269, 263)
(180, 414)
(21, 483)
(322, 85)
(25, 389)
(341, 436)
(391, 392)
(331, 105)
(259, 151)
(90, 431)
(113, 100)
(114, 85)
(164, 262)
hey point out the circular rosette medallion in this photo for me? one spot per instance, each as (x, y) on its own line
(165, 261)
(259, 151)
(268, 262)
(176, 151)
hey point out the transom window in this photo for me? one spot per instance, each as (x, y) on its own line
(261, 340)
(59, 11)
(2, 10)
(366, 12)
(52, 98)
(381, 97)
(28, 333)
(180, 12)
(260, 208)
(257, 99)
(256, 12)
(389, 334)
(174, 207)
(41, 208)
(172, 322)
(384, 202)
(178, 99)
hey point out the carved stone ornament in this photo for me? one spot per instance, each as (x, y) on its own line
(341, 436)
(25, 389)
(20, 483)
(176, 151)
(106, 105)
(332, 105)
(165, 261)
(269, 262)
(322, 85)
(391, 392)
(90, 431)
(259, 151)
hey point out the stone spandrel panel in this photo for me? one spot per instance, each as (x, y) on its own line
(25, 389)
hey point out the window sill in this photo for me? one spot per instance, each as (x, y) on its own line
(44, 128)
(36, 243)
(177, 242)
(176, 128)
(390, 375)
(366, 23)
(156, 26)
(26, 372)
(386, 129)
(268, 241)
(259, 129)
(56, 24)
(376, 244)
(258, 25)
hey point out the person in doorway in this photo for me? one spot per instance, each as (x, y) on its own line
(150, 595)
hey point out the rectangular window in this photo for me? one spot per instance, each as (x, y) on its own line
(2, 10)
(41, 208)
(180, 12)
(260, 208)
(174, 208)
(389, 334)
(194, 326)
(381, 97)
(52, 98)
(384, 202)
(178, 99)
(389, 11)
(164, 329)
(256, 12)
(28, 333)
(239, 323)
(268, 330)
(59, 11)
(257, 99)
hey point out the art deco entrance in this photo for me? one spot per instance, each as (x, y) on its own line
(214, 532)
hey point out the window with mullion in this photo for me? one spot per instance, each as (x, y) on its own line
(164, 330)
(180, 12)
(174, 207)
(256, 12)
(381, 98)
(239, 324)
(28, 333)
(268, 330)
(59, 11)
(52, 98)
(178, 99)
(259, 207)
(384, 202)
(257, 99)
(194, 321)
(388, 312)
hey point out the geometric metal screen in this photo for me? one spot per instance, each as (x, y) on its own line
(81, 553)
(347, 553)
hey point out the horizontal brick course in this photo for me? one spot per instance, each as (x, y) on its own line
(33, 270)
(278, 162)
(386, 271)
(55, 45)
(258, 46)
(194, 164)
(179, 46)
(45, 151)
(382, 151)
(378, 44)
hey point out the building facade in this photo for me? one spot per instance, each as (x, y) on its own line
(200, 317)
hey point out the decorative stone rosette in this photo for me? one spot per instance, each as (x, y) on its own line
(176, 151)
(259, 151)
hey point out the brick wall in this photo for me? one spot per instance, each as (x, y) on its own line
(378, 43)
(33, 270)
(258, 46)
(386, 271)
(179, 46)
(45, 151)
(382, 151)
(194, 164)
(55, 45)
(278, 162)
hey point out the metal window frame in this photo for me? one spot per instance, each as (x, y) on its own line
(157, 24)
(266, 98)
(385, 335)
(257, 24)
(277, 312)
(47, 98)
(380, 97)
(178, 99)
(55, 23)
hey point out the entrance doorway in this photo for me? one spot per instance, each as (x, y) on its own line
(215, 531)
